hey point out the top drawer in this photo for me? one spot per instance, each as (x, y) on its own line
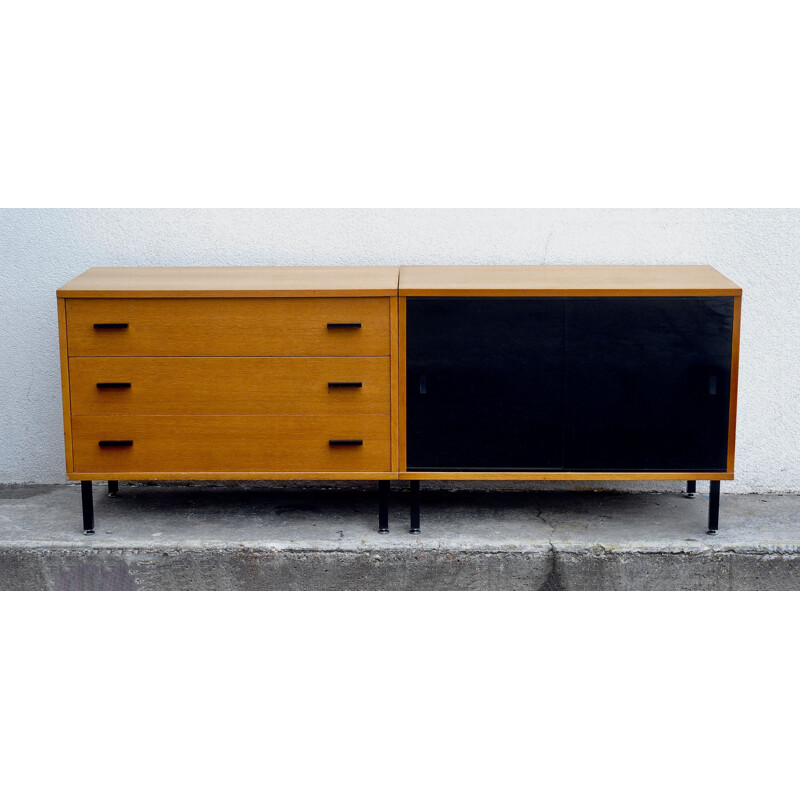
(340, 326)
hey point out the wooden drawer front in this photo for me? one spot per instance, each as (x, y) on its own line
(229, 386)
(230, 444)
(229, 327)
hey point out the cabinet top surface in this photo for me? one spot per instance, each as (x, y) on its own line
(354, 281)
(337, 281)
(565, 280)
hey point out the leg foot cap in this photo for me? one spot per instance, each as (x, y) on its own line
(415, 531)
(89, 532)
(711, 532)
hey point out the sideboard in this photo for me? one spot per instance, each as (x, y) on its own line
(568, 373)
(413, 373)
(230, 374)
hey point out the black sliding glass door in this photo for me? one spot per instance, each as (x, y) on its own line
(588, 384)
(647, 383)
(485, 383)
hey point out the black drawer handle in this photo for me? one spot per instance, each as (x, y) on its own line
(115, 443)
(344, 325)
(113, 386)
(344, 384)
(110, 326)
(345, 442)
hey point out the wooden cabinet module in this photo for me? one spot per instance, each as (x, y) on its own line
(568, 373)
(230, 373)
(416, 373)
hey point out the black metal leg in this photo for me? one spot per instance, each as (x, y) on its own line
(713, 508)
(383, 506)
(691, 488)
(415, 507)
(113, 488)
(88, 507)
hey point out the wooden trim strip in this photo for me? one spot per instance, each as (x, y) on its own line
(179, 294)
(444, 476)
(394, 396)
(65, 391)
(402, 382)
(734, 387)
(230, 476)
(566, 476)
(570, 292)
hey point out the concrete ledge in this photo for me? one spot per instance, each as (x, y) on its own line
(232, 537)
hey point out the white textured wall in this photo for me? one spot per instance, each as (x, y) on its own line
(759, 249)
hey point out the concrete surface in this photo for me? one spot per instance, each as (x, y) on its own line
(40, 249)
(262, 537)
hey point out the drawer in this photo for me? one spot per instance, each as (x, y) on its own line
(207, 444)
(279, 386)
(329, 326)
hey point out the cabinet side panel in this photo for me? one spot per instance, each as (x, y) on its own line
(401, 374)
(65, 394)
(737, 321)
(394, 389)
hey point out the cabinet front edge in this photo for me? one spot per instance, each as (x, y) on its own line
(571, 292)
(230, 476)
(566, 476)
(188, 293)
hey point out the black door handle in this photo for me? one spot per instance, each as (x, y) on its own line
(345, 442)
(115, 442)
(109, 326)
(344, 384)
(344, 325)
(114, 385)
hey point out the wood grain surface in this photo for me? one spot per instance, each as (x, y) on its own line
(269, 327)
(301, 281)
(562, 281)
(274, 386)
(213, 444)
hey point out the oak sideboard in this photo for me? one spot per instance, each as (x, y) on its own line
(411, 373)
(230, 374)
